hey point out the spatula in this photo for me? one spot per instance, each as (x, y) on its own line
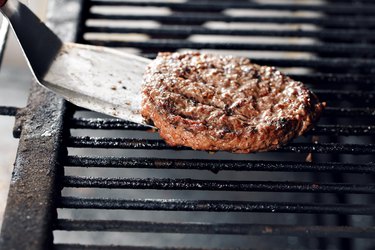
(93, 77)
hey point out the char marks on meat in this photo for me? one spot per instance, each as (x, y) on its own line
(211, 102)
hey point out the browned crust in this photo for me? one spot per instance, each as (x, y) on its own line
(161, 105)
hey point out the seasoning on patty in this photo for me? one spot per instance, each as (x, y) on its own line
(211, 102)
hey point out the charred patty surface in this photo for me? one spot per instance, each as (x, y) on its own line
(211, 102)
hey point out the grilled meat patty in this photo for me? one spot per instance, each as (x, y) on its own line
(210, 102)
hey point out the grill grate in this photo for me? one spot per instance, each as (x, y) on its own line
(10, 111)
(332, 77)
(314, 193)
(339, 71)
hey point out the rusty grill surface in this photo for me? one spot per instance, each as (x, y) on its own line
(122, 187)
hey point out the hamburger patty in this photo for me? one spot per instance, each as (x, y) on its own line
(210, 102)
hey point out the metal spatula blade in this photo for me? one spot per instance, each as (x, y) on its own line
(93, 77)
(98, 78)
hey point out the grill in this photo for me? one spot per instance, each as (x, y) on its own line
(114, 181)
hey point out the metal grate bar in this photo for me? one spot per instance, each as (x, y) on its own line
(110, 123)
(342, 130)
(317, 63)
(215, 206)
(218, 165)
(9, 111)
(352, 22)
(338, 112)
(334, 78)
(207, 6)
(328, 148)
(358, 97)
(218, 228)
(166, 45)
(215, 185)
(97, 247)
(337, 34)
(130, 143)
(355, 63)
(98, 123)
(328, 111)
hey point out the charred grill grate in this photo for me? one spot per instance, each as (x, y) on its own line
(314, 193)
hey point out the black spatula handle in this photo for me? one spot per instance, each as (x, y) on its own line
(2, 3)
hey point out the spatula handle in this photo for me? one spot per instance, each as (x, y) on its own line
(40, 45)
